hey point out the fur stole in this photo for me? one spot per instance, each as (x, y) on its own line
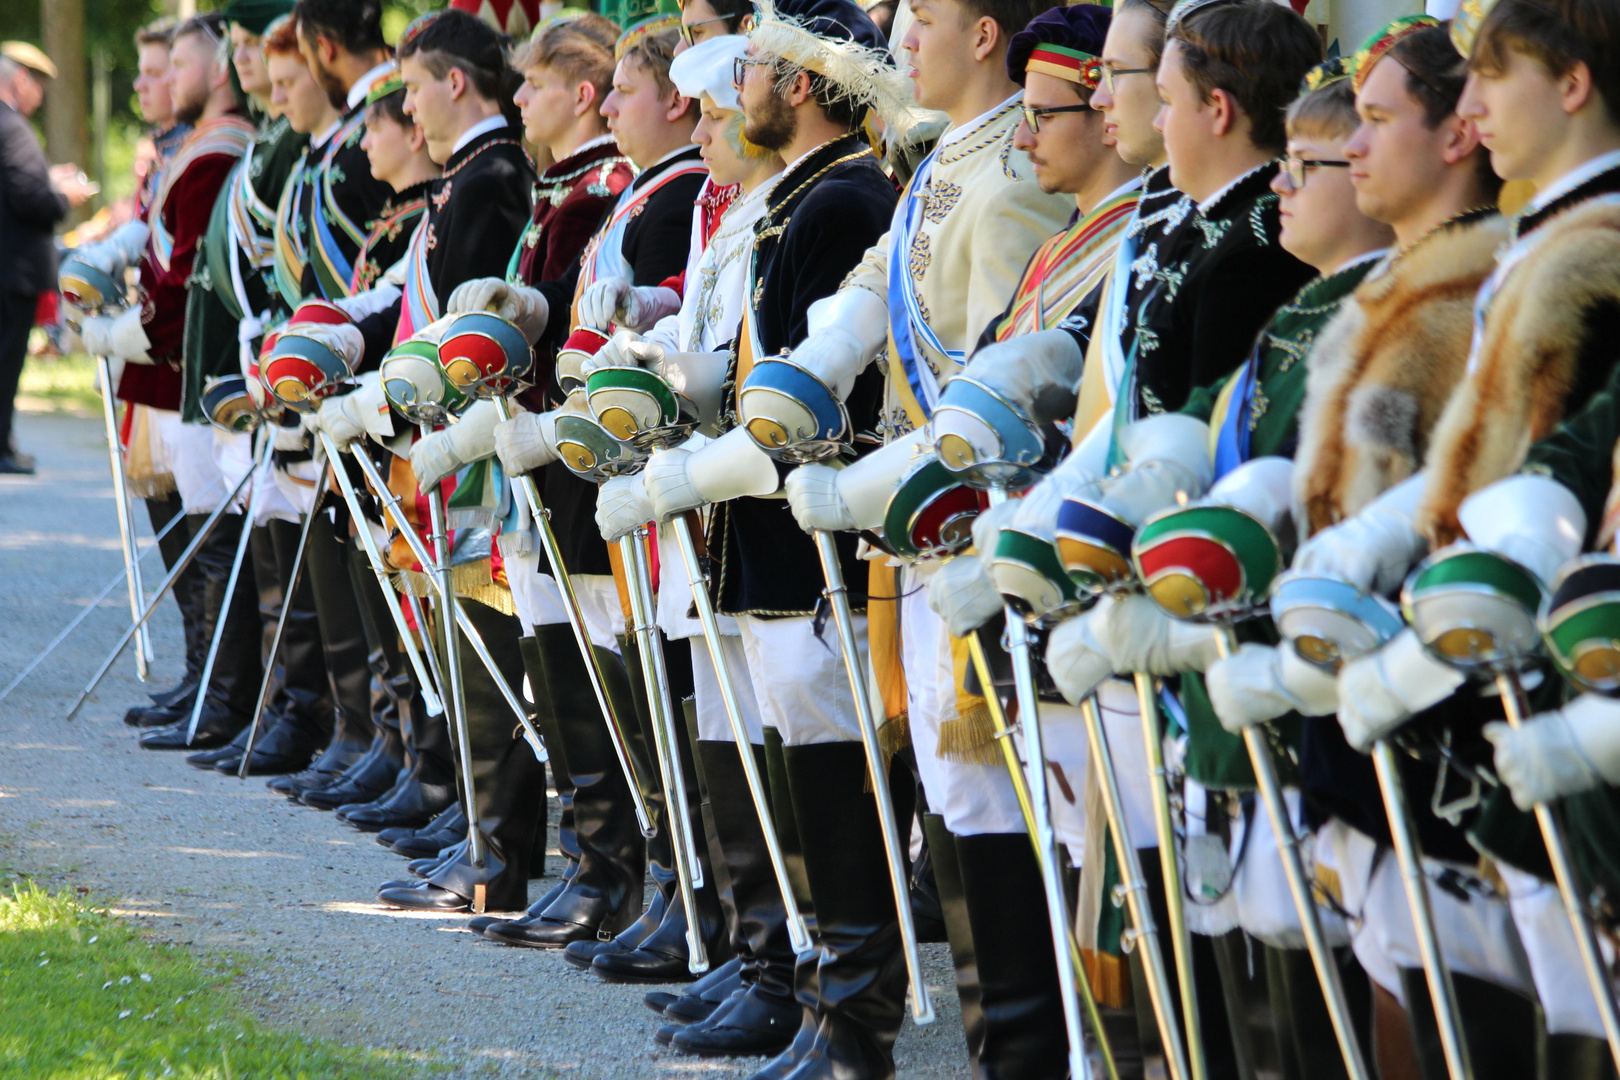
(1382, 369)
(1535, 332)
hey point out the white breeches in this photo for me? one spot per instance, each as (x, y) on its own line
(799, 680)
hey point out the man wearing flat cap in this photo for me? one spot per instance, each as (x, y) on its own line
(33, 199)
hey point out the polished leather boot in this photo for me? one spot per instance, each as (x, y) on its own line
(604, 897)
(946, 870)
(508, 785)
(705, 994)
(663, 955)
(545, 718)
(346, 652)
(1307, 1045)
(1022, 1034)
(861, 971)
(160, 511)
(298, 712)
(1578, 1057)
(1499, 1026)
(765, 1015)
(448, 828)
(233, 687)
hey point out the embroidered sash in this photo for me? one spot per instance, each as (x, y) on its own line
(1067, 267)
(329, 225)
(230, 135)
(910, 335)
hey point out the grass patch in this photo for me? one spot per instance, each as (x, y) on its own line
(60, 384)
(83, 996)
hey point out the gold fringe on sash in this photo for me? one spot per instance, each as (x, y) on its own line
(1110, 978)
(883, 645)
(141, 470)
(967, 736)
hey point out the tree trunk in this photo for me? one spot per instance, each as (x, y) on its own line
(67, 99)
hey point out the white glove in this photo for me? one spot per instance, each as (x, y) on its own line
(856, 496)
(290, 438)
(622, 507)
(1167, 462)
(524, 307)
(1039, 372)
(626, 349)
(355, 415)
(962, 593)
(848, 329)
(469, 439)
(1263, 488)
(702, 471)
(1533, 520)
(117, 252)
(1136, 634)
(812, 492)
(1262, 682)
(344, 339)
(700, 376)
(527, 442)
(613, 301)
(1373, 550)
(1384, 689)
(1566, 752)
(1074, 657)
(122, 336)
(988, 525)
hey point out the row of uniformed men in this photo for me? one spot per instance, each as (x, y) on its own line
(1131, 325)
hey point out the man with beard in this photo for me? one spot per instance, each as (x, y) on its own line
(148, 338)
(456, 79)
(813, 71)
(342, 42)
(227, 307)
(642, 242)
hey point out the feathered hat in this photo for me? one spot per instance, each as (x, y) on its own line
(838, 41)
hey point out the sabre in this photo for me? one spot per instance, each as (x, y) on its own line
(798, 932)
(582, 636)
(230, 591)
(1180, 936)
(1569, 889)
(463, 621)
(922, 1008)
(688, 870)
(84, 613)
(180, 565)
(368, 543)
(1045, 838)
(1327, 970)
(281, 627)
(455, 690)
(1436, 972)
(1328, 622)
(126, 524)
(1070, 956)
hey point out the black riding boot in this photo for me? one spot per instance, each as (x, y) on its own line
(343, 641)
(545, 718)
(1024, 1033)
(662, 955)
(375, 773)
(1499, 1026)
(1308, 1047)
(298, 714)
(1578, 1057)
(950, 881)
(860, 971)
(234, 682)
(509, 784)
(604, 896)
(168, 705)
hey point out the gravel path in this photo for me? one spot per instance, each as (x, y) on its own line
(219, 863)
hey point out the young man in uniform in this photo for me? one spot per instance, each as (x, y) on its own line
(643, 240)
(1542, 95)
(1057, 59)
(228, 302)
(149, 336)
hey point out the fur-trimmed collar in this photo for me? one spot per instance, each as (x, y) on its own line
(1537, 331)
(1381, 371)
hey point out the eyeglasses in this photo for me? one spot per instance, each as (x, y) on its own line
(686, 28)
(1295, 168)
(740, 66)
(1032, 116)
(1110, 74)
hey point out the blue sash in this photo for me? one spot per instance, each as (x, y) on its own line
(906, 321)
